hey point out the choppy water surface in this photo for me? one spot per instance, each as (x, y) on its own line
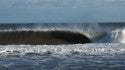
(74, 62)
(63, 57)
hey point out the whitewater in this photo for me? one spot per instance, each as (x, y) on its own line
(106, 52)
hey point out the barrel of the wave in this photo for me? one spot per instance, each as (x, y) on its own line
(42, 37)
(122, 36)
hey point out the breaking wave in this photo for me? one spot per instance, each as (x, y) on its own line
(91, 31)
(105, 40)
(114, 36)
(97, 33)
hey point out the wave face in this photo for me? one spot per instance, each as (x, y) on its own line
(42, 37)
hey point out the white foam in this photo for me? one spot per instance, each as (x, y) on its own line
(118, 35)
(79, 49)
(122, 36)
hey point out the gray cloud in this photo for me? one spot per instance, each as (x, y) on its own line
(60, 3)
(68, 3)
(49, 3)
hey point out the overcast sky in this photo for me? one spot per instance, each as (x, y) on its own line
(61, 11)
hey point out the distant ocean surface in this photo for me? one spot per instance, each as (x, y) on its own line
(104, 51)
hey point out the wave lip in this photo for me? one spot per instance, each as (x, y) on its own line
(42, 37)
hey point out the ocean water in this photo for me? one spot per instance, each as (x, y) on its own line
(105, 52)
